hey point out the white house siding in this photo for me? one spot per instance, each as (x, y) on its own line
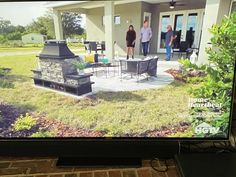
(214, 13)
(129, 14)
(33, 38)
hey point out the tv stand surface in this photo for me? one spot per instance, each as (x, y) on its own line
(98, 162)
(207, 165)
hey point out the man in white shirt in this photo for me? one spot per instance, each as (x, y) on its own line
(146, 35)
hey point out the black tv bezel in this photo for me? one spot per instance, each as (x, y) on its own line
(15, 146)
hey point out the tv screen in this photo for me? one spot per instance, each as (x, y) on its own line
(89, 69)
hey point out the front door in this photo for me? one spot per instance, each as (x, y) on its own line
(186, 26)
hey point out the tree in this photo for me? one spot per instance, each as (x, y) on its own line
(9, 31)
(5, 26)
(43, 25)
(71, 22)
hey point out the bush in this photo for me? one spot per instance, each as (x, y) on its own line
(191, 73)
(43, 134)
(3, 82)
(1, 118)
(6, 84)
(14, 36)
(217, 86)
(26, 122)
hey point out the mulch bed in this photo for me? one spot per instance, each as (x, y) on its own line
(10, 113)
(177, 74)
(168, 131)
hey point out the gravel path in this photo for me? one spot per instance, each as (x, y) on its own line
(35, 52)
(3, 54)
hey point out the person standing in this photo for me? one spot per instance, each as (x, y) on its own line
(130, 41)
(190, 37)
(169, 38)
(146, 35)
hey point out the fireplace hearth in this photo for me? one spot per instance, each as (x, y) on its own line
(56, 70)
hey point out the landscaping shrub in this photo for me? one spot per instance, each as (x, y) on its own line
(6, 84)
(42, 134)
(217, 86)
(191, 73)
(26, 122)
(1, 118)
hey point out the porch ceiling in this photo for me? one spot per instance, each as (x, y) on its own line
(70, 5)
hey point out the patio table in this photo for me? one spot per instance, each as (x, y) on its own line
(100, 65)
(139, 66)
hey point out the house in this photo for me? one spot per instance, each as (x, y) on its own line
(109, 20)
(33, 38)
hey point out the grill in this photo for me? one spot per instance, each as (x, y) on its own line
(56, 70)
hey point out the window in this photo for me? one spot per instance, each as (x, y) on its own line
(117, 20)
(233, 8)
(103, 20)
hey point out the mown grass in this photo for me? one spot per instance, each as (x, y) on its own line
(117, 114)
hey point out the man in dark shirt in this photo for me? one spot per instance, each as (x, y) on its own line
(169, 38)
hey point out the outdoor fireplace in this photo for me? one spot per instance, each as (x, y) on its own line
(57, 71)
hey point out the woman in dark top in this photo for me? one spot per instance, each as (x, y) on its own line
(130, 41)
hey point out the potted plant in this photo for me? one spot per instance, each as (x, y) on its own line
(80, 66)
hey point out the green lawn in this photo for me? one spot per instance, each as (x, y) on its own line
(116, 113)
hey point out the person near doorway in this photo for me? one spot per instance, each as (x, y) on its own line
(130, 41)
(169, 38)
(146, 35)
(190, 37)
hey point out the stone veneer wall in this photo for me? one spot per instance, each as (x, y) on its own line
(55, 70)
(45, 167)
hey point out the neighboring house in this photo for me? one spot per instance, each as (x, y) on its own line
(33, 38)
(109, 20)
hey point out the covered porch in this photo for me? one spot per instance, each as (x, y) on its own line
(108, 21)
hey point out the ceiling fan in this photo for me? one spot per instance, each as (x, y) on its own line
(173, 4)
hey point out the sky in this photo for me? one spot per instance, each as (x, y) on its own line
(23, 13)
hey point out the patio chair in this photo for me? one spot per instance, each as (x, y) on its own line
(152, 67)
(93, 47)
(86, 45)
(137, 67)
(183, 48)
(103, 46)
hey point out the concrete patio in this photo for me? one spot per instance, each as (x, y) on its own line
(112, 81)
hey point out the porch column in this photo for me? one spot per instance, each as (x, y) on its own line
(214, 13)
(109, 28)
(58, 24)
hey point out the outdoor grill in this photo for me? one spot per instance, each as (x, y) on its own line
(57, 71)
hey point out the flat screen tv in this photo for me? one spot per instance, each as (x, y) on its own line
(66, 77)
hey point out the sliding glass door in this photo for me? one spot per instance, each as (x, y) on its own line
(186, 26)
